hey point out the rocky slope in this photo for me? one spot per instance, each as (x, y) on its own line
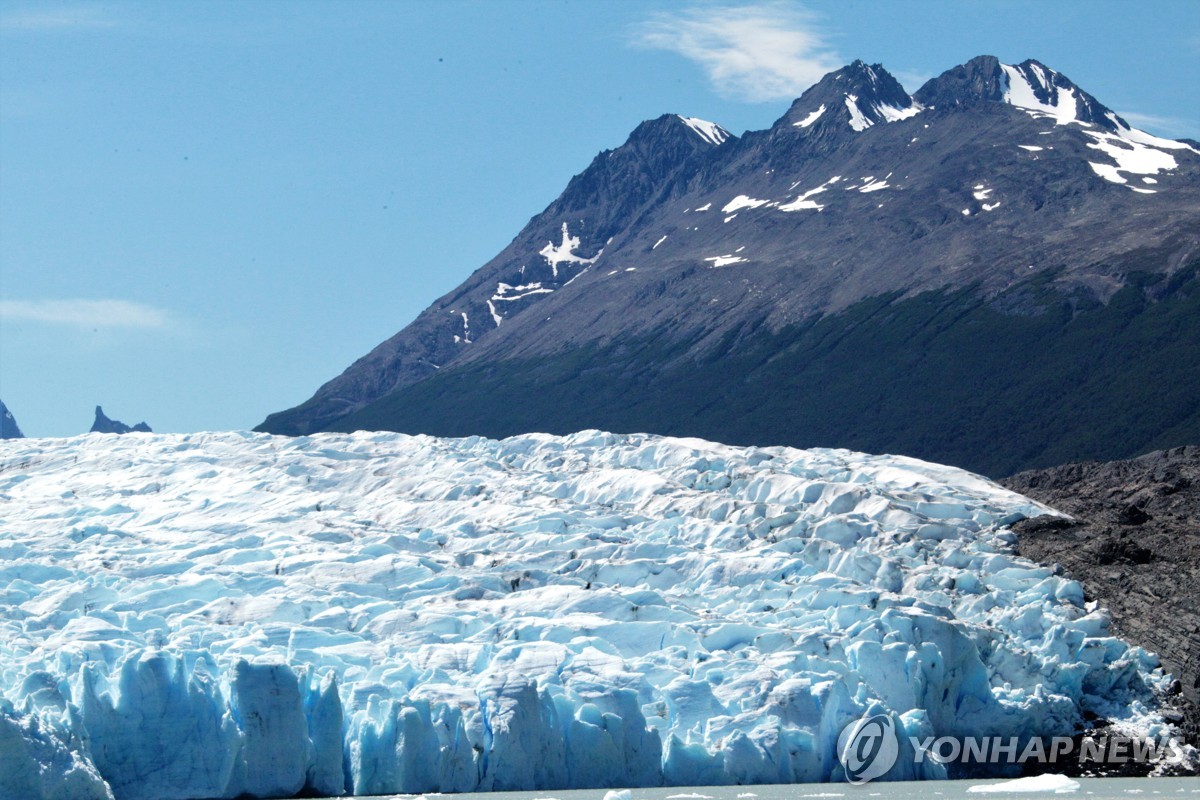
(1134, 544)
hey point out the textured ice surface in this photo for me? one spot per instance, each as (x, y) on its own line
(217, 614)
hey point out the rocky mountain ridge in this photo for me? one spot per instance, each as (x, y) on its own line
(1002, 190)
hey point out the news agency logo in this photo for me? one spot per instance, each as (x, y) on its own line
(868, 748)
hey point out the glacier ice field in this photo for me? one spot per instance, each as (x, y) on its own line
(212, 615)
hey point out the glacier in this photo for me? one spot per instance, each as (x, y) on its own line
(225, 614)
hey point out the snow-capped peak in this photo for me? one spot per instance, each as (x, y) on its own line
(857, 96)
(708, 131)
(1036, 87)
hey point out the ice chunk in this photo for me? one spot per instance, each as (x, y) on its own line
(1051, 784)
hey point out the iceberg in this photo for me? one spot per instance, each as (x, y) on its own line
(1049, 783)
(226, 614)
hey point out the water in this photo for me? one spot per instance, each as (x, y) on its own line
(1091, 788)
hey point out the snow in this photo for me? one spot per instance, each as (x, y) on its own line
(742, 201)
(981, 193)
(725, 260)
(803, 201)
(811, 118)
(873, 185)
(705, 207)
(708, 131)
(564, 252)
(1033, 148)
(858, 120)
(1020, 93)
(991, 206)
(1130, 156)
(893, 114)
(506, 293)
(1050, 783)
(1141, 137)
(219, 614)
(660, 241)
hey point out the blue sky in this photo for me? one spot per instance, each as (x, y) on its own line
(207, 209)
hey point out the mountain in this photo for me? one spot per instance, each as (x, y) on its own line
(235, 615)
(9, 429)
(996, 272)
(105, 425)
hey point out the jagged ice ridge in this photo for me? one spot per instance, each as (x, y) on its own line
(216, 614)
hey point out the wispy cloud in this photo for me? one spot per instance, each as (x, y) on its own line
(95, 314)
(1169, 126)
(52, 19)
(760, 52)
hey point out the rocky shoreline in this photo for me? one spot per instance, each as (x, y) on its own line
(1134, 543)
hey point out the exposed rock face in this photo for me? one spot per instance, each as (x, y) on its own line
(1135, 546)
(105, 425)
(9, 429)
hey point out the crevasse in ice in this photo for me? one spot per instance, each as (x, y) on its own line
(221, 614)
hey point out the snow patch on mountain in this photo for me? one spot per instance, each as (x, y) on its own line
(742, 201)
(872, 185)
(861, 119)
(894, 114)
(466, 331)
(1130, 156)
(505, 292)
(858, 120)
(803, 202)
(811, 118)
(564, 252)
(1063, 106)
(708, 131)
(216, 614)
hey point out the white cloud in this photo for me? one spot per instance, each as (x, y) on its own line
(96, 314)
(761, 52)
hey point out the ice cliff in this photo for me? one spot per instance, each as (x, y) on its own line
(222, 614)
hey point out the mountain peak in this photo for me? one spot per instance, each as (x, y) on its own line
(1030, 85)
(9, 429)
(856, 96)
(691, 131)
(105, 425)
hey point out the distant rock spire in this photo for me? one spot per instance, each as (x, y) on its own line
(105, 425)
(9, 429)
